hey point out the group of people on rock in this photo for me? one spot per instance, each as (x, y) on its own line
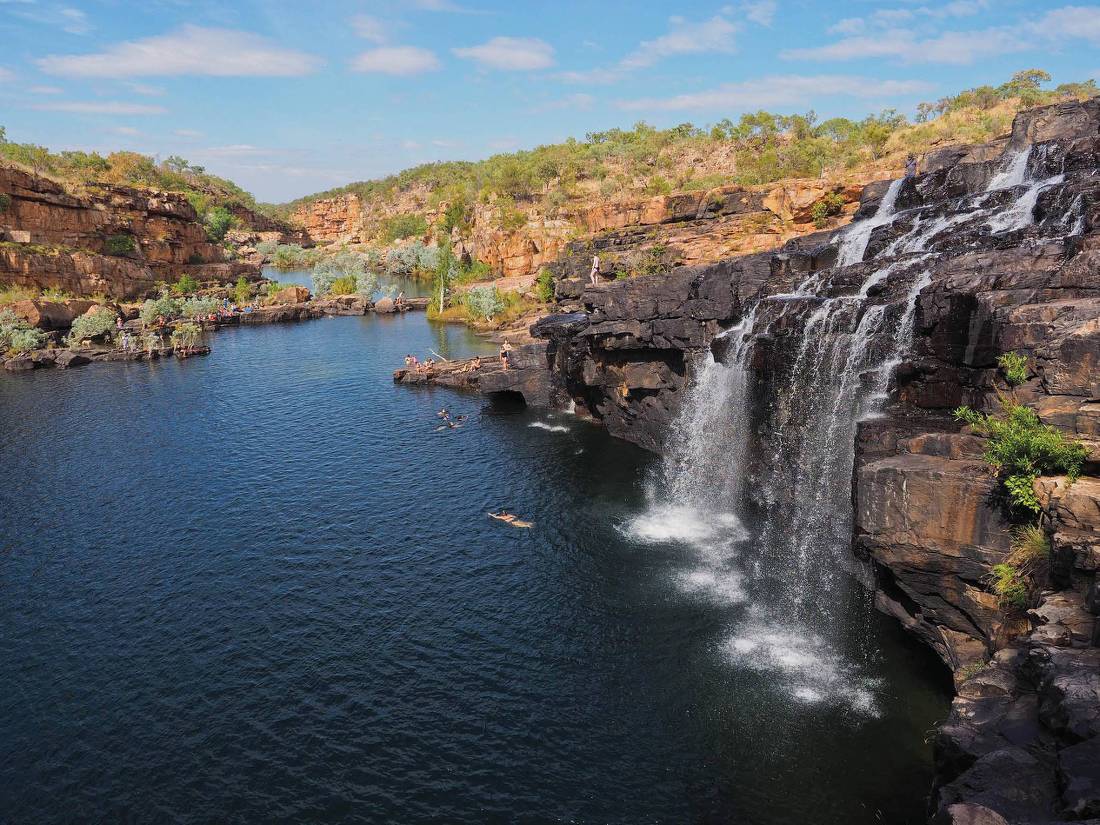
(414, 363)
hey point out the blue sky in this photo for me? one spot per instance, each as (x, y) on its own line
(291, 98)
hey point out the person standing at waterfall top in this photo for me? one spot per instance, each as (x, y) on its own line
(594, 275)
(910, 167)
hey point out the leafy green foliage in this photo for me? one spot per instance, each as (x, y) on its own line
(242, 291)
(343, 274)
(826, 208)
(16, 335)
(412, 260)
(1014, 366)
(119, 245)
(1021, 448)
(1010, 587)
(185, 285)
(164, 306)
(5, 202)
(544, 286)
(484, 302)
(198, 306)
(92, 325)
(186, 336)
(218, 221)
(267, 248)
(400, 227)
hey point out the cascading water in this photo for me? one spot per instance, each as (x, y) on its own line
(853, 243)
(756, 478)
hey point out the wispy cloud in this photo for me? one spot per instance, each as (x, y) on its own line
(783, 90)
(69, 20)
(98, 108)
(192, 50)
(443, 5)
(371, 28)
(761, 12)
(580, 101)
(716, 35)
(519, 54)
(6, 75)
(46, 90)
(881, 37)
(187, 133)
(128, 131)
(396, 60)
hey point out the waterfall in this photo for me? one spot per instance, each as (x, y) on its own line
(1022, 213)
(853, 243)
(1012, 173)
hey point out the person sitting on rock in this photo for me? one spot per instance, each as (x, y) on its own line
(594, 274)
(408, 361)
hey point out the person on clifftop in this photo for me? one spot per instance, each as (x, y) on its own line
(594, 275)
(910, 167)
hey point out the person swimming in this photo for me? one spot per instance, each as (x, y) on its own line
(510, 518)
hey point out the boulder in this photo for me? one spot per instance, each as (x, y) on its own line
(292, 295)
(384, 306)
(69, 358)
(1079, 776)
(51, 315)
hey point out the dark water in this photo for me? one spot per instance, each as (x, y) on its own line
(259, 587)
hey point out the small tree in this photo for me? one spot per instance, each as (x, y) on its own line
(16, 335)
(484, 302)
(185, 285)
(92, 325)
(344, 272)
(164, 306)
(218, 221)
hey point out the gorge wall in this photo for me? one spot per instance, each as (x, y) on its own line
(632, 233)
(855, 347)
(113, 240)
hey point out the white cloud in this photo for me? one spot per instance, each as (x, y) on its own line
(6, 75)
(187, 133)
(66, 18)
(370, 28)
(192, 50)
(521, 54)
(236, 150)
(99, 108)
(503, 144)
(145, 89)
(45, 90)
(1071, 22)
(849, 25)
(784, 90)
(714, 35)
(761, 11)
(396, 60)
(443, 5)
(599, 77)
(446, 144)
(129, 131)
(953, 48)
(410, 144)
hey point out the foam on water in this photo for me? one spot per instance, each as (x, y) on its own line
(853, 244)
(684, 523)
(552, 428)
(1022, 213)
(803, 665)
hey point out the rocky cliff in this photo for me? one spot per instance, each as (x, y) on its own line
(991, 249)
(114, 240)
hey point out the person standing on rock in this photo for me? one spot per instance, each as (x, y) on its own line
(910, 167)
(594, 275)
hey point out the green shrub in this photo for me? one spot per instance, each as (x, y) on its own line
(1009, 586)
(399, 227)
(344, 274)
(185, 285)
(195, 258)
(826, 208)
(1014, 366)
(199, 306)
(119, 245)
(242, 291)
(1030, 548)
(455, 215)
(218, 221)
(412, 260)
(658, 186)
(544, 286)
(267, 248)
(483, 302)
(1021, 448)
(162, 306)
(91, 326)
(290, 256)
(16, 335)
(5, 202)
(185, 336)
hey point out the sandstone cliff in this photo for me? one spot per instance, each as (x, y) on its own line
(992, 249)
(114, 240)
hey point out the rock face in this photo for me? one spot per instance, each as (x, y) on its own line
(118, 241)
(992, 249)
